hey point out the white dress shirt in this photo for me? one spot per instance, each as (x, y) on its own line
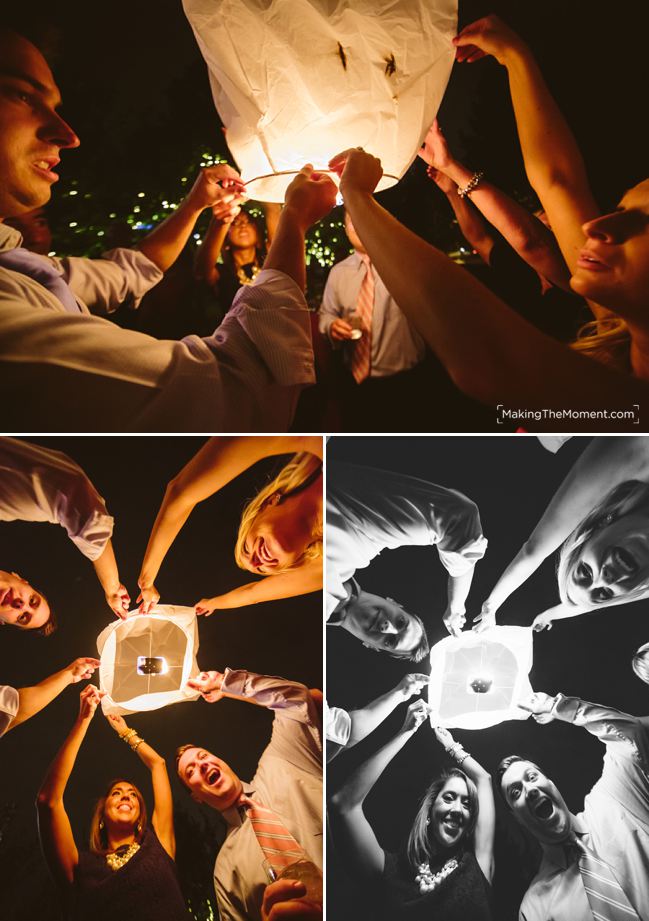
(395, 345)
(9, 701)
(38, 484)
(60, 371)
(288, 780)
(614, 823)
(370, 510)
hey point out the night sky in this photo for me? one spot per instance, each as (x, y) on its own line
(135, 89)
(277, 638)
(512, 480)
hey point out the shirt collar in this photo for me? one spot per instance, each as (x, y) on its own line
(556, 854)
(235, 815)
(10, 238)
(352, 591)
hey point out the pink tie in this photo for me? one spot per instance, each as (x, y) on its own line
(361, 359)
(278, 845)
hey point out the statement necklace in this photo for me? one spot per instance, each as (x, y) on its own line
(247, 273)
(122, 855)
(427, 880)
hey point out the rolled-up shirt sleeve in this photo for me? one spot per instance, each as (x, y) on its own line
(38, 484)
(9, 703)
(462, 543)
(120, 276)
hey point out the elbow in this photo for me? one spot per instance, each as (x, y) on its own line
(342, 802)
(46, 800)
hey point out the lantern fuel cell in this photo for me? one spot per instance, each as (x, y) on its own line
(477, 679)
(299, 82)
(146, 660)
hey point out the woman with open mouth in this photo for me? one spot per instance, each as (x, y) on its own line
(129, 870)
(445, 868)
(280, 535)
(599, 517)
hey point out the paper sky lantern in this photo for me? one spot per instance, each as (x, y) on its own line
(297, 81)
(477, 679)
(146, 660)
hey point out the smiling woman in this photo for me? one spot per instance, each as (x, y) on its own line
(129, 871)
(604, 549)
(280, 535)
(22, 606)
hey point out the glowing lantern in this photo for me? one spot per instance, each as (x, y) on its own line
(147, 659)
(297, 81)
(477, 678)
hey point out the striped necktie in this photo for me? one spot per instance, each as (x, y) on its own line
(278, 845)
(361, 357)
(607, 899)
(39, 269)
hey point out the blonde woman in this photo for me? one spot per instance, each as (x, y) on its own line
(129, 870)
(280, 535)
(599, 517)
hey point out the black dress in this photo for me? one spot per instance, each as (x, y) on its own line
(144, 889)
(465, 894)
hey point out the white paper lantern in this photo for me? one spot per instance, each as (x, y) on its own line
(146, 660)
(477, 679)
(297, 81)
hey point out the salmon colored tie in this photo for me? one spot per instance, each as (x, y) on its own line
(275, 840)
(361, 359)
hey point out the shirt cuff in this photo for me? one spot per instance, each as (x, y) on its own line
(339, 725)
(459, 562)
(9, 703)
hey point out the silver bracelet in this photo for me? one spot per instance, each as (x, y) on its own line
(472, 184)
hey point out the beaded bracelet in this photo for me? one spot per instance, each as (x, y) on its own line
(127, 735)
(137, 740)
(472, 184)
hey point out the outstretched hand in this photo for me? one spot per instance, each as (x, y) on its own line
(358, 171)
(117, 722)
(486, 36)
(208, 684)
(417, 712)
(119, 601)
(542, 621)
(540, 706)
(88, 701)
(211, 184)
(444, 736)
(454, 621)
(206, 606)
(81, 669)
(412, 683)
(434, 150)
(310, 195)
(148, 598)
(486, 619)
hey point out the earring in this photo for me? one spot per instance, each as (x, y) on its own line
(139, 828)
(609, 518)
(101, 824)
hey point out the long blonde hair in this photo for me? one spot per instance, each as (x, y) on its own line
(607, 341)
(290, 478)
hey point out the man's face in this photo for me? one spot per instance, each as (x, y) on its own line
(536, 803)
(209, 779)
(32, 134)
(381, 623)
(20, 604)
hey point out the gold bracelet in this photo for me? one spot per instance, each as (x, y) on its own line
(135, 742)
(128, 734)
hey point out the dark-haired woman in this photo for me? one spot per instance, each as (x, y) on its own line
(129, 870)
(599, 517)
(446, 866)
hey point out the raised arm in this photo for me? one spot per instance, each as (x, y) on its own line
(218, 462)
(165, 243)
(524, 232)
(307, 578)
(351, 830)
(207, 254)
(162, 818)
(33, 699)
(553, 162)
(117, 596)
(54, 827)
(485, 829)
(605, 463)
(505, 359)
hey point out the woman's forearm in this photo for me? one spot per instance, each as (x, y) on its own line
(56, 779)
(106, 569)
(526, 562)
(208, 252)
(361, 781)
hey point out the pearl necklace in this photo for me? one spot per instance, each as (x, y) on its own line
(117, 860)
(427, 880)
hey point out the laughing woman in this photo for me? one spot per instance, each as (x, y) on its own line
(280, 535)
(446, 866)
(129, 871)
(599, 517)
